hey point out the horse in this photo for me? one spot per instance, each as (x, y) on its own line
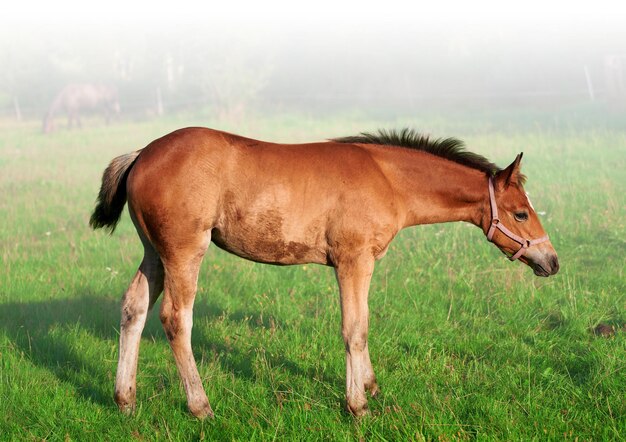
(77, 99)
(337, 203)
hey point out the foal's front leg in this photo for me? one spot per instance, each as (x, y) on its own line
(354, 277)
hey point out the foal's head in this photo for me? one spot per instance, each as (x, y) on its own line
(517, 231)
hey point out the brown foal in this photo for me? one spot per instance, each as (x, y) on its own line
(337, 203)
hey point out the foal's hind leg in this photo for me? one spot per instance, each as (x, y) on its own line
(141, 295)
(181, 278)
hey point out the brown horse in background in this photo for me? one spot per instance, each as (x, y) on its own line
(337, 203)
(75, 100)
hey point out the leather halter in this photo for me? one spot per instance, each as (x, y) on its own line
(496, 224)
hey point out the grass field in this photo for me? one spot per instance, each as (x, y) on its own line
(466, 345)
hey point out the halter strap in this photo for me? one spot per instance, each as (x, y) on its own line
(496, 224)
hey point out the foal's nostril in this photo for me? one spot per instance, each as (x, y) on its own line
(554, 264)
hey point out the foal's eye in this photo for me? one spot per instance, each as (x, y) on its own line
(521, 216)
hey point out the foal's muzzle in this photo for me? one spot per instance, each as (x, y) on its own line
(546, 267)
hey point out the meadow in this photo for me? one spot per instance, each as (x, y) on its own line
(466, 345)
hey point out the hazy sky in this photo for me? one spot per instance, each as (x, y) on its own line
(443, 47)
(600, 13)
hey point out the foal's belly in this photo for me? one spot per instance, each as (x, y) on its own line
(266, 240)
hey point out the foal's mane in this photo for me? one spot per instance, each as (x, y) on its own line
(451, 149)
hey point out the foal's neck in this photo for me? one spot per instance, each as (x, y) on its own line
(434, 190)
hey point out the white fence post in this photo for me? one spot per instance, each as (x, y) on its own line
(592, 96)
(159, 99)
(16, 108)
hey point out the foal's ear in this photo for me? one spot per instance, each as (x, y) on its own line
(510, 175)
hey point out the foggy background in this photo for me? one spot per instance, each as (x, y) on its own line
(240, 59)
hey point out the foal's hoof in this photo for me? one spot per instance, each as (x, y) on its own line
(125, 404)
(358, 410)
(201, 410)
(126, 408)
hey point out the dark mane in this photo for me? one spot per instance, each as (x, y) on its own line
(451, 149)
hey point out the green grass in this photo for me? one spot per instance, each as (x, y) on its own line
(466, 345)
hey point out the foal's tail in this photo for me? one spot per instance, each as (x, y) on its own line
(112, 196)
